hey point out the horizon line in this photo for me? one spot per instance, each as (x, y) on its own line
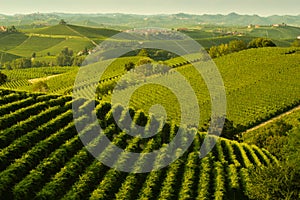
(148, 14)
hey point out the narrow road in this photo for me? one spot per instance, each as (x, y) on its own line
(42, 78)
(273, 119)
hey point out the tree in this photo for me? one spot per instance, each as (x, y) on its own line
(21, 63)
(223, 49)
(229, 130)
(144, 61)
(62, 22)
(296, 43)
(65, 58)
(7, 66)
(3, 78)
(129, 66)
(143, 53)
(214, 52)
(274, 138)
(237, 45)
(105, 88)
(278, 181)
(261, 42)
(40, 86)
(11, 29)
(37, 63)
(78, 60)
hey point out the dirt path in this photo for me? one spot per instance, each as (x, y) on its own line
(273, 119)
(42, 79)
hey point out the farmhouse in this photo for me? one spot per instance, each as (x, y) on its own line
(279, 25)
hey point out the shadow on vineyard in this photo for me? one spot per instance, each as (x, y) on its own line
(42, 156)
(49, 150)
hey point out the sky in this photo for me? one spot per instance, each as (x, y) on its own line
(260, 7)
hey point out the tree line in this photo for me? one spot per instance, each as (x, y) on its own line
(65, 58)
(239, 45)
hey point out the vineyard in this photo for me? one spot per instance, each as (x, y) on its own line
(260, 83)
(51, 39)
(42, 156)
(21, 79)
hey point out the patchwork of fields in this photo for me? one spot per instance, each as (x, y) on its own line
(41, 152)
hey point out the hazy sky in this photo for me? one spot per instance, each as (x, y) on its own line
(261, 7)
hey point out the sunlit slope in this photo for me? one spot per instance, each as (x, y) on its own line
(42, 156)
(53, 39)
(259, 83)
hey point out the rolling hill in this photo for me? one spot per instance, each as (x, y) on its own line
(42, 156)
(111, 20)
(259, 83)
(51, 40)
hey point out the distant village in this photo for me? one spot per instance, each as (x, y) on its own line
(272, 25)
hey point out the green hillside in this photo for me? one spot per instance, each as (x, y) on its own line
(42, 157)
(51, 40)
(73, 30)
(62, 30)
(207, 37)
(76, 44)
(259, 84)
(63, 84)
(4, 57)
(20, 79)
(11, 40)
(279, 33)
(94, 32)
(34, 44)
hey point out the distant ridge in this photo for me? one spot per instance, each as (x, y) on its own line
(133, 20)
